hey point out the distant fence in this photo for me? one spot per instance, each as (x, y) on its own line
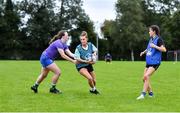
(173, 55)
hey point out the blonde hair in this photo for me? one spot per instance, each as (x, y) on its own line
(59, 35)
(84, 33)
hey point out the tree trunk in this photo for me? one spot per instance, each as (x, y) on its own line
(132, 54)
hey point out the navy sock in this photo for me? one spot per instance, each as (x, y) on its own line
(151, 93)
(143, 93)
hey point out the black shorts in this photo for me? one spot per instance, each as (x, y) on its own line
(155, 66)
(89, 68)
(108, 60)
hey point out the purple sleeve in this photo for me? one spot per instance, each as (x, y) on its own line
(66, 47)
(59, 46)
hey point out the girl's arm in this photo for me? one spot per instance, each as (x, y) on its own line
(69, 53)
(161, 48)
(63, 55)
(77, 57)
(144, 52)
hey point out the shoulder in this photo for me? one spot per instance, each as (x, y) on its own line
(78, 46)
(89, 43)
(160, 41)
(57, 42)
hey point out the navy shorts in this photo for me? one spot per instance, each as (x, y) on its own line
(155, 66)
(45, 60)
(89, 68)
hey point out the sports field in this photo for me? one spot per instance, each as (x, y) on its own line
(119, 84)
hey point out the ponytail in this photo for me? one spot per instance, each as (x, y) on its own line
(57, 36)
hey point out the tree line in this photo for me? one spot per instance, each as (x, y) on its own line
(26, 26)
(128, 33)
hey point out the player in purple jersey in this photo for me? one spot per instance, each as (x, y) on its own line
(57, 46)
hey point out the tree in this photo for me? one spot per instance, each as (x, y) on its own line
(174, 28)
(39, 27)
(161, 13)
(110, 33)
(46, 19)
(74, 19)
(131, 28)
(9, 29)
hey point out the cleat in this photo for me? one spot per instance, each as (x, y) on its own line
(55, 91)
(94, 92)
(140, 97)
(34, 88)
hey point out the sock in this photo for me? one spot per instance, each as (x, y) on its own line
(143, 93)
(36, 84)
(53, 85)
(94, 88)
(151, 93)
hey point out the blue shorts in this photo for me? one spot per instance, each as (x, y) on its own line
(45, 60)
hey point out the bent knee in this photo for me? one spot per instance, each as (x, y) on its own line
(90, 79)
(44, 75)
(58, 73)
(146, 77)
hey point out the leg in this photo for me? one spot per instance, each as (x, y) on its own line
(57, 72)
(94, 90)
(43, 75)
(86, 74)
(55, 69)
(147, 75)
(93, 75)
(149, 86)
(44, 72)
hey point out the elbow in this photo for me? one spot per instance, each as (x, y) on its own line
(164, 50)
(63, 56)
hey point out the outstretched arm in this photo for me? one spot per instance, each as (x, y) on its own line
(69, 53)
(63, 55)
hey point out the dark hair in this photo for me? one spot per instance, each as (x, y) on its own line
(84, 33)
(59, 35)
(156, 29)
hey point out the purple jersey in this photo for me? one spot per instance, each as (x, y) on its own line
(52, 50)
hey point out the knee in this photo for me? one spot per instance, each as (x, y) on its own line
(44, 75)
(58, 73)
(90, 79)
(94, 80)
(146, 77)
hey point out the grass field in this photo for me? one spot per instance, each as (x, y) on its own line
(119, 83)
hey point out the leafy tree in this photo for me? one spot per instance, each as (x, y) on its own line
(131, 27)
(9, 31)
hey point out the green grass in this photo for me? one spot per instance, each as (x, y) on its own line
(119, 83)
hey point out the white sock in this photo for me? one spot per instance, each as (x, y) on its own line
(36, 83)
(53, 85)
(94, 88)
